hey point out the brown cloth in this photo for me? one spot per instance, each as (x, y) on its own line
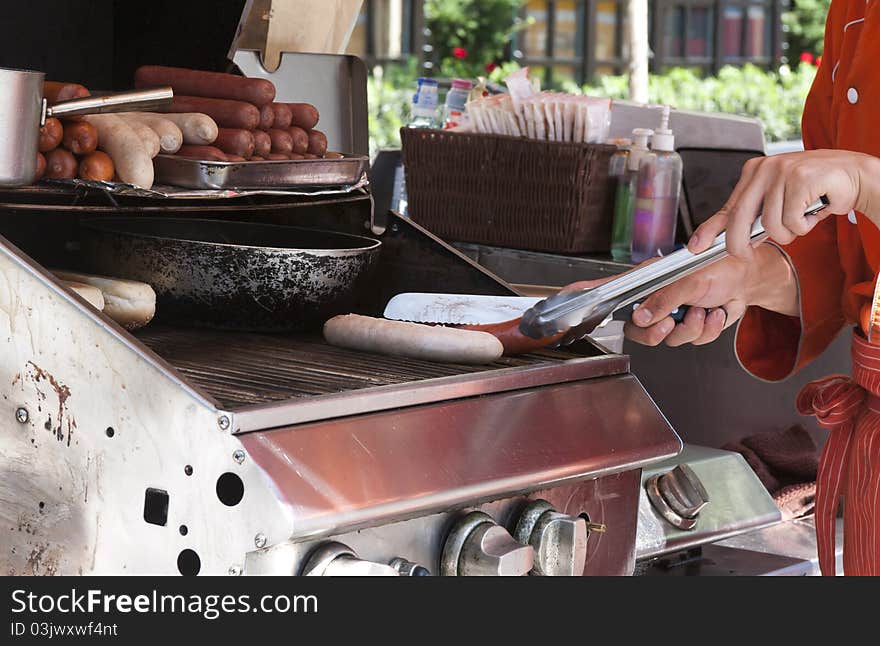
(780, 458)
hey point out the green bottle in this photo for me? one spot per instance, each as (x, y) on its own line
(625, 169)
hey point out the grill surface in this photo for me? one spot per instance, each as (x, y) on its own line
(240, 369)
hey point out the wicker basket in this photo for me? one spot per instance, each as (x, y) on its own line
(510, 192)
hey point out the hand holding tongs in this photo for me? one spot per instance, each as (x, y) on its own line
(578, 313)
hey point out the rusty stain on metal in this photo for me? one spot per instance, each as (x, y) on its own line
(63, 393)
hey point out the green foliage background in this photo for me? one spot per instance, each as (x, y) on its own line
(804, 24)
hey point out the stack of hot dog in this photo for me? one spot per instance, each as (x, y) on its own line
(252, 125)
(110, 147)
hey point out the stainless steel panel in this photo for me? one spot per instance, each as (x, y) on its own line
(609, 500)
(294, 173)
(353, 472)
(336, 85)
(89, 422)
(738, 502)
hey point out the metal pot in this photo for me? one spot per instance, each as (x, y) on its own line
(23, 110)
(233, 275)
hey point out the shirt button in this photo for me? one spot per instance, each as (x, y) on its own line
(852, 217)
(852, 95)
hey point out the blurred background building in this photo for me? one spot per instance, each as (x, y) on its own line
(576, 40)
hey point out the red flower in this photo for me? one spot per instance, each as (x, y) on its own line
(818, 61)
(807, 57)
(491, 67)
(460, 53)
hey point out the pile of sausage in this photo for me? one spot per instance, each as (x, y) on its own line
(252, 125)
(109, 147)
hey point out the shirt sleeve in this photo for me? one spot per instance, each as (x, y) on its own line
(773, 346)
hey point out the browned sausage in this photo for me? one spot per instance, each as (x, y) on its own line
(54, 91)
(317, 142)
(283, 116)
(282, 142)
(257, 158)
(303, 115)
(296, 156)
(80, 137)
(309, 156)
(277, 156)
(235, 141)
(97, 166)
(60, 164)
(227, 114)
(206, 84)
(514, 341)
(262, 143)
(41, 166)
(235, 158)
(300, 139)
(334, 156)
(51, 135)
(206, 153)
(267, 117)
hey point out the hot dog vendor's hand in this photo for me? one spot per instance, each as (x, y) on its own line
(780, 188)
(719, 296)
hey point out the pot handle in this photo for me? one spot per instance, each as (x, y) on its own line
(138, 100)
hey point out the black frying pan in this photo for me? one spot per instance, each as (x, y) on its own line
(233, 275)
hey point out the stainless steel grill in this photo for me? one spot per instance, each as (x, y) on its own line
(239, 369)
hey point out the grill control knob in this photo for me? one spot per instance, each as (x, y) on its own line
(477, 546)
(559, 540)
(336, 559)
(678, 496)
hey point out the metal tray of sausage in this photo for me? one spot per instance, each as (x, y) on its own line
(348, 170)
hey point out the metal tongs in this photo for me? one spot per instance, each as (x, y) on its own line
(579, 313)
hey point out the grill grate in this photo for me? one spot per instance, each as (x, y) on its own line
(239, 369)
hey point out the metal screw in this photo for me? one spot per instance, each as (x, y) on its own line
(238, 456)
(223, 422)
(21, 415)
(260, 540)
(395, 228)
(234, 570)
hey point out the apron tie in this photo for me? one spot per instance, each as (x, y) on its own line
(836, 402)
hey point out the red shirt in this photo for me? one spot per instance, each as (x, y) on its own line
(836, 263)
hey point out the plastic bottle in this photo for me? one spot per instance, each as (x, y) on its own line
(624, 202)
(423, 114)
(456, 99)
(659, 189)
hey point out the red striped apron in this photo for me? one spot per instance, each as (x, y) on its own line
(850, 462)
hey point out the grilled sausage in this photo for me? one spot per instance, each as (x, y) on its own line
(197, 129)
(267, 117)
(300, 139)
(97, 166)
(51, 135)
(170, 135)
(235, 141)
(205, 153)
(432, 343)
(317, 143)
(151, 140)
(226, 113)
(206, 84)
(514, 341)
(54, 91)
(282, 142)
(262, 143)
(116, 138)
(80, 137)
(60, 164)
(303, 115)
(283, 115)
(41, 166)
(277, 157)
